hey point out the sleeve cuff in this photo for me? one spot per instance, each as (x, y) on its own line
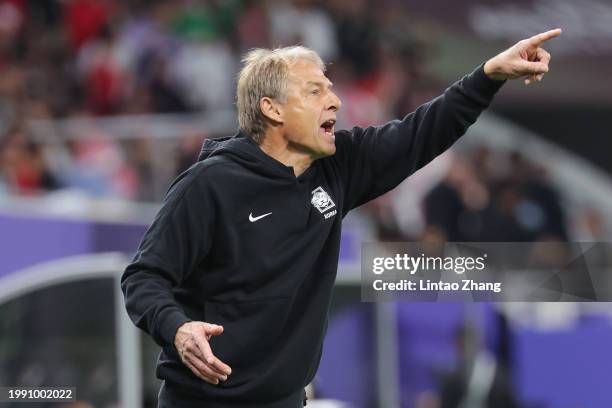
(480, 83)
(169, 325)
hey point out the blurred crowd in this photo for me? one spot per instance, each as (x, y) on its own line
(479, 196)
(91, 59)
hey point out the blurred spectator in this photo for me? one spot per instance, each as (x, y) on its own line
(23, 166)
(85, 19)
(357, 32)
(517, 206)
(455, 207)
(100, 168)
(252, 26)
(301, 22)
(105, 84)
(165, 96)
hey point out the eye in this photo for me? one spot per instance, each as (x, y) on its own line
(315, 92)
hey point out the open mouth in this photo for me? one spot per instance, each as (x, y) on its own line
(328, 126)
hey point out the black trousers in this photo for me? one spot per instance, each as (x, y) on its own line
(169, 397)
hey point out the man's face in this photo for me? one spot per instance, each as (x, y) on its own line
(309, 114)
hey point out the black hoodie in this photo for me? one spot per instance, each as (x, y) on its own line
(241, 242)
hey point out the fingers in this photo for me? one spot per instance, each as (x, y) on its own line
(536, 72)
(201, 341)
(544, 57)
(191, 354)
(213, 329)
(210, 359)
(202, 370)
(539, 39)
(203, 345)
(525, 59)
(194, 350)
(194, 369)
(533, 68)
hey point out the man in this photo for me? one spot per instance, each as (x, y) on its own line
(233, 279)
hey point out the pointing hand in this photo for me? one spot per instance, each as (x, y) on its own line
(524, 59)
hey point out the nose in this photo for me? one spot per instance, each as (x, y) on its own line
(334, 102)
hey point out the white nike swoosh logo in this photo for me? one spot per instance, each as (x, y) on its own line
(253, 219)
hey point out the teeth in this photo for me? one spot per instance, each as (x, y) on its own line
(328, 126)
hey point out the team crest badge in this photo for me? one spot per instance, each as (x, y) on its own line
(321, 200)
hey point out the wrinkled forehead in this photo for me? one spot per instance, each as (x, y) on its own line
(303, 72)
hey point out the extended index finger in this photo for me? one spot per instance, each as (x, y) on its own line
(545, 36)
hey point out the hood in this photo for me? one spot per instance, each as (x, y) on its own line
(243, 150)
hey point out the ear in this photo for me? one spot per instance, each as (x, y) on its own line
(271, 109)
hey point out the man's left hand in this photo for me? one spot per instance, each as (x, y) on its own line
(524, 59)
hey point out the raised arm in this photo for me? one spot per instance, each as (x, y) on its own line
(376, 159)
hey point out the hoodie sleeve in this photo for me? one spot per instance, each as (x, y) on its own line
(175, 243)
(374, 160)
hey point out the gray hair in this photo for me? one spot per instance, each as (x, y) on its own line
(265, 74)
